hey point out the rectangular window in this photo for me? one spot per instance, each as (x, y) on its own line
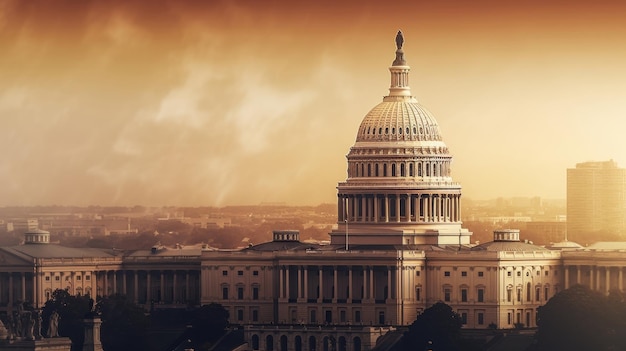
(446, 273)
(87, 277)
(508, 274)
(463, 274)
(224, 273)
(519, 274)
(255, 315)
(225, 293)
(463, 295)
(381, 317)
(342, 316)
(47, 278)
(417, 273)
(57, 278)
(509, 318)
(545, 293)
(509, 294)
(480, 274)
(239, 272)
(240, 293)
(446, 295)
(547, 273)
(418, 293)
(357, 316)
(78, 277)
(464, 317)
(481, 318)
(239, 315)
(313, 316)
(255, 272)
(255, 293)
(519, 295)
(481, 295)
(537, 294)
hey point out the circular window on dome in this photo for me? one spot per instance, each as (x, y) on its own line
(386, 130)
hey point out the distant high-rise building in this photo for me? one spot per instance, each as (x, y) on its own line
(596, 200)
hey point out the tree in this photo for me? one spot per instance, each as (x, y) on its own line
(579, 318)
(124, 324)
(437, 328)
(209, 322)
(71, 310)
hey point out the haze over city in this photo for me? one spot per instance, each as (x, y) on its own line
(215, 103)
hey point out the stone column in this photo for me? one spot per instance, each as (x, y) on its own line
(23, 275)
(566, 277)
(386, 208)
(350, 293)
(162, 286)
(281, 283)
(124, 287)
(187, 294)
(136, 286)
(416, 208)
(376, 211)
(371, 282)
(620, 279)
(175, 286)
(591, 285)
(340, 208)
(321, 285)
(389, 282)
(398, 208)
(148, 287)
(607, 273)
(114, 282)
(11, 300)
(363, 209)
(299, 282)
(106, 283)
(335, 290)
(407, 207)
(578, 275)
(306, 282)
(287, 269)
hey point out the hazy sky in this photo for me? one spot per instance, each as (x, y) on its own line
(241, 102)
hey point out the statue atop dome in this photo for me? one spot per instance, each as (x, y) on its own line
(399, 40)
(399, 61)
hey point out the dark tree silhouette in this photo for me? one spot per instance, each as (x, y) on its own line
(124, 324)
(437, 328)
(579, 318)
(71, 310)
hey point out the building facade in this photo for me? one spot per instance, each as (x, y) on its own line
(398, 248)
(596, 200)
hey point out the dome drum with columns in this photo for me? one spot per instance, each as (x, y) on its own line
(399, 189)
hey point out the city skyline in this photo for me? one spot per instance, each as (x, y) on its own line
(192, 104)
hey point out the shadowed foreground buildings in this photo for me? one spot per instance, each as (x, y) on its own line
(398, 248)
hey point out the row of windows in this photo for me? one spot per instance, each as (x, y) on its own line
(372, 131)
(240, 273)
(240, 293)
(435, 169)
(519, 274)
(480, 317)
(57, 278)
(519, 293)
(480, 294)
(463, 274)
(327, 343)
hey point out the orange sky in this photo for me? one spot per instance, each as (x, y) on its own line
(241, 102)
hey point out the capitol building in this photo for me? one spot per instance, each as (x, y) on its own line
(399, 247)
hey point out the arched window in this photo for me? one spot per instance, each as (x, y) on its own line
(380, 131)
(393, 130)
(386, 130)
(414, 130)
(269, 343)
(326, 344)
(341, 344)
(255, 342)
(419, 169)
(368, 130)
(393, 169)
(362, 170)
(374, 131)
(298, 342)
(283, 343)
(411, 170)
(384, 170)
(528, 292)
(399, 130)
(312, 343)
(369, 169)
(428, 169)
(402, 170)
(407, 130)
(376, 169)
(357, 343)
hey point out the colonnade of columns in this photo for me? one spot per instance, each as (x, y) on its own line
(151, 286)
(601, 278)
(16, 286)
(399, 208)
(337, 284)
